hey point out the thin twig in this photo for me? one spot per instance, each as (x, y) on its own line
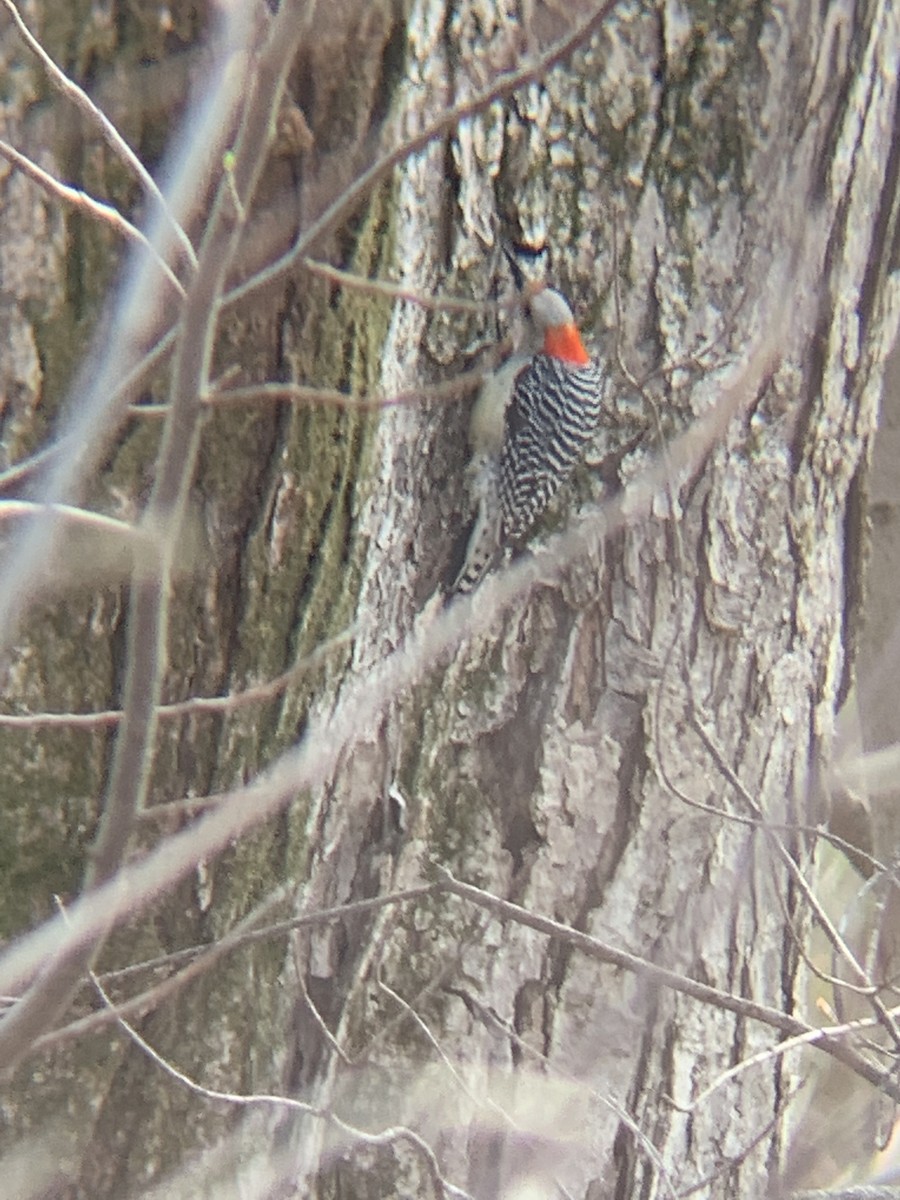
(194, 961)
(298, 393)
(832, 933)
(772, 1052)
(79, 518)
(265, 1100)
(111, 135)
(105, 213)
(734, 1160)
(603, 952)
(750, 822)
(397, 291)
(191, 1084)
(192, 707)
(319, 1021)
(420, 1023)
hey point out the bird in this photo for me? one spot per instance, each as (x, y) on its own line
(531, 424)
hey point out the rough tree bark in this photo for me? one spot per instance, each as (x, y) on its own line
(715, 188)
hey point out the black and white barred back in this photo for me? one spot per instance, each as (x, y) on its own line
(555, 411)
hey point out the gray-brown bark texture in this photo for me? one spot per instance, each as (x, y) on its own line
(715, 189)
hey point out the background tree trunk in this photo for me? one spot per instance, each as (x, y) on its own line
(715, 189)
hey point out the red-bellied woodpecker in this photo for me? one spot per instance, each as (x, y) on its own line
(531, 424)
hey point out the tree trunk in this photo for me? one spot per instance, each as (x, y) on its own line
(625, 734)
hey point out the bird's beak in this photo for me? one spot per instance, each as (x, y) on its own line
(517, 273)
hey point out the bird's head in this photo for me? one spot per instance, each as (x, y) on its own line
(554, 321)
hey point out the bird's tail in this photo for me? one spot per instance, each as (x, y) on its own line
(480, 548)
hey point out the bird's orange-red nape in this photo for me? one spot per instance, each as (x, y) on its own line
(564, 341)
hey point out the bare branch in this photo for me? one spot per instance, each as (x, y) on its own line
(79, 518)
(195, 706)
(120, 362)
(111, 135)
(200, 959)
(777, 1051)
(396, 291)
(828, 927)
(298, 393)
(603, 952)
(147, 630)
(240, 1100)
(105, 213)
